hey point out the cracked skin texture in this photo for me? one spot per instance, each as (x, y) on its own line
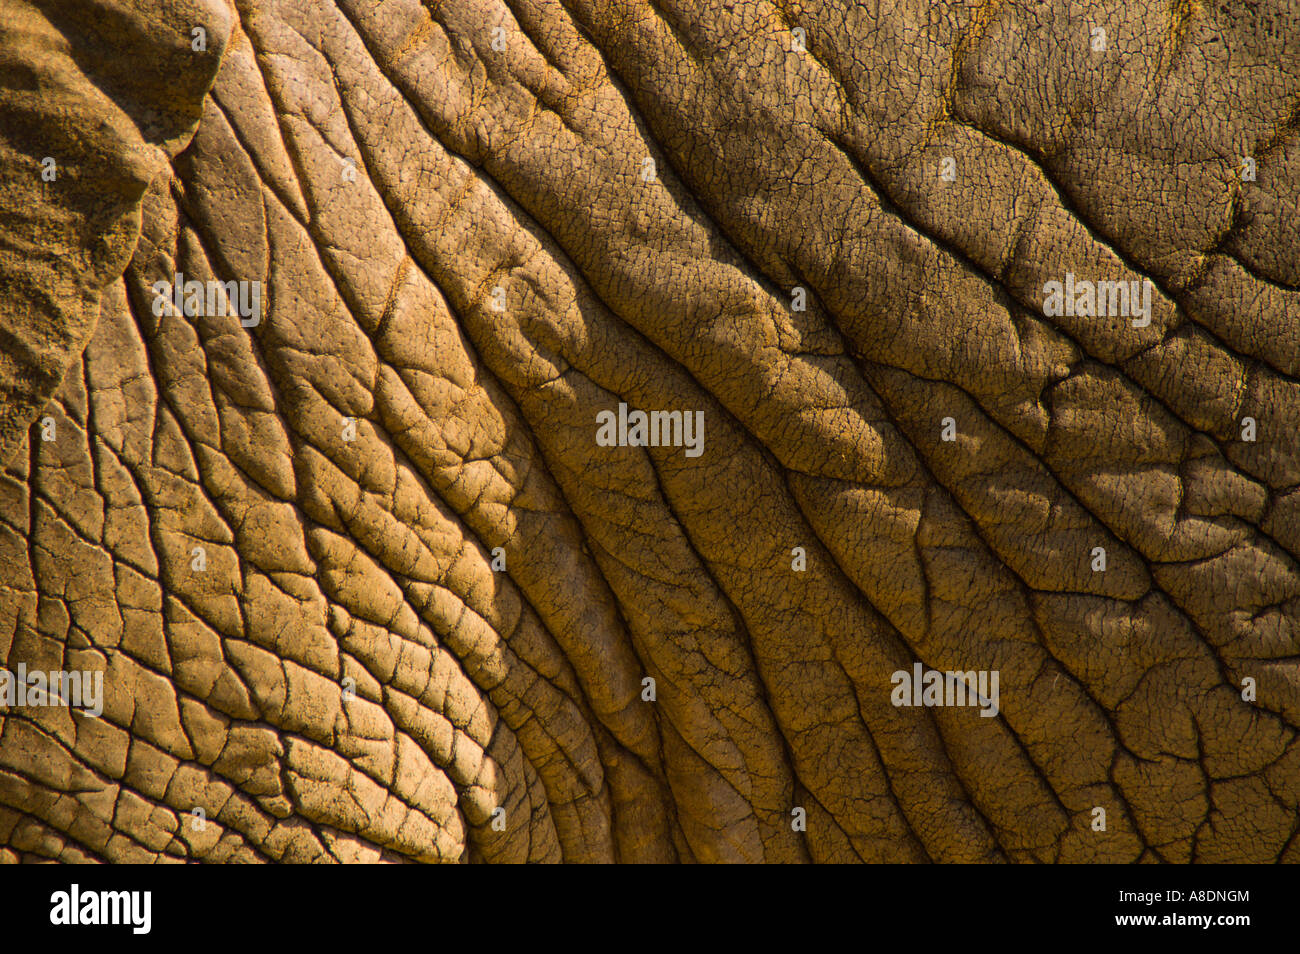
(370, 559)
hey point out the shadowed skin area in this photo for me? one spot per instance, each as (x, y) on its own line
(364, 586)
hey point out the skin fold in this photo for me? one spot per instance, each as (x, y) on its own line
(363, 577)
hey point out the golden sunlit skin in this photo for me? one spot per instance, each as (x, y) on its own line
(589, 431)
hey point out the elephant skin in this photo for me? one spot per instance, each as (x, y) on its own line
(632, 405)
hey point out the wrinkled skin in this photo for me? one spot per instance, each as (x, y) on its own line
(349, 678)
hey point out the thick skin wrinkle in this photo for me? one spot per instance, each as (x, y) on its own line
(365, 583)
